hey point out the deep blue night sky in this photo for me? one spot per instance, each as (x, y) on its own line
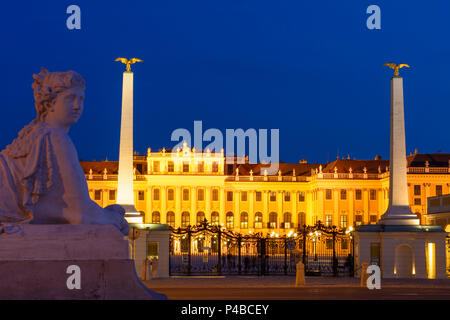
(310, 68)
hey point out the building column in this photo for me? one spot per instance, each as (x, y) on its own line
(177, 207)
(310, 205)
(336, 221)
(148, 214)
(222, 212)
(193, 199)
(351, 210)
(294, 220)
(251, 213)
(237, 214)
(163, 198)
(380, 199)
(320, 200)
(208, 203)
(366, 215)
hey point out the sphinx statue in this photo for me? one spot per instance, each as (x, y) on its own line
(41, 179)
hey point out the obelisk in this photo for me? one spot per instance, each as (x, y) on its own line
(125, 191)
(398, 212)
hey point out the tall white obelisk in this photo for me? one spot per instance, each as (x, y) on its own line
(125, 191)
(398, 212)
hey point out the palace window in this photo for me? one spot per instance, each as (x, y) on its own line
(343, 194)
(215, 195)
(200, 194)
(201, 167)
(301, 219)
(343, 222)
(200, 217)
(185, 166)
(258, 195)
(184, 219)
(358, 219)
(373, 219)
(301, 196)
(358, 194)
(170, 194)
(417, 201)
(215, 218)
(229, 195)
(373, 194)
(215, 166)
(328, 220)
(258, 220)
(156, 217)
(328, 194)
(287, 220)
(171, 219)
(112, 194)
(243, 195)
(273, 196)
(170, 166)
(155, 166)
(417, 190)
(98, 195)
(229, 220)
(156, 194)
(438, 190)
(287, 196)
(273, 217)
(244, 220)
(141, 195)
(185, 194)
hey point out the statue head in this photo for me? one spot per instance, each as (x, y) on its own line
(59, 97)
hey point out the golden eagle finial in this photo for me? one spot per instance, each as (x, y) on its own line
(129, 62)
(396, 67)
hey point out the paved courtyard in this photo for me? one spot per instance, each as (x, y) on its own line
(283, 288)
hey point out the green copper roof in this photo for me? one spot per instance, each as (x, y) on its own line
(394, 228)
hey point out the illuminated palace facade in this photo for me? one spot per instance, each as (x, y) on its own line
(185, 188)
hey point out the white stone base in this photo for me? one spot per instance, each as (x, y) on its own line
(403, 254)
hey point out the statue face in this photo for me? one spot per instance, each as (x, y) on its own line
(66, 108)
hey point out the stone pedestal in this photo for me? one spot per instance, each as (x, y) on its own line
(152, 242)
(402, 251)
(38, 261)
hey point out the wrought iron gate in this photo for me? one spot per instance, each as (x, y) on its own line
(210, 250)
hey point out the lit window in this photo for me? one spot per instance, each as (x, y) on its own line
(155, 166)
(244, 220)
(273, 220)
(287, 220)
(287, 196)
(273, 196)
(258, 195)
(343, 221)
(417, 190)
(97, 194)
(185, 194)
(301, 196)
(358, 194)
(373, 219)
(200, 194)
(184, 219)
(343, 194)
(328, 220)
(112, 194)
(170, 166)
(200, 217)
(258, 220)
(215, 218)
(328, 194)
(171, 219)
(155, 194)
(230, 220)
(156, 217)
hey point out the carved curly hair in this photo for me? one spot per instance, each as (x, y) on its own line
(47, 85)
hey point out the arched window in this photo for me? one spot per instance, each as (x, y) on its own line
(301, 219)
(215, 218)
(287, 220)
(171, 219)
(200, 217)
(156, 218)
(273, 220)
(184, 219)
(258, 220)
(230, 220)
(244, 220)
